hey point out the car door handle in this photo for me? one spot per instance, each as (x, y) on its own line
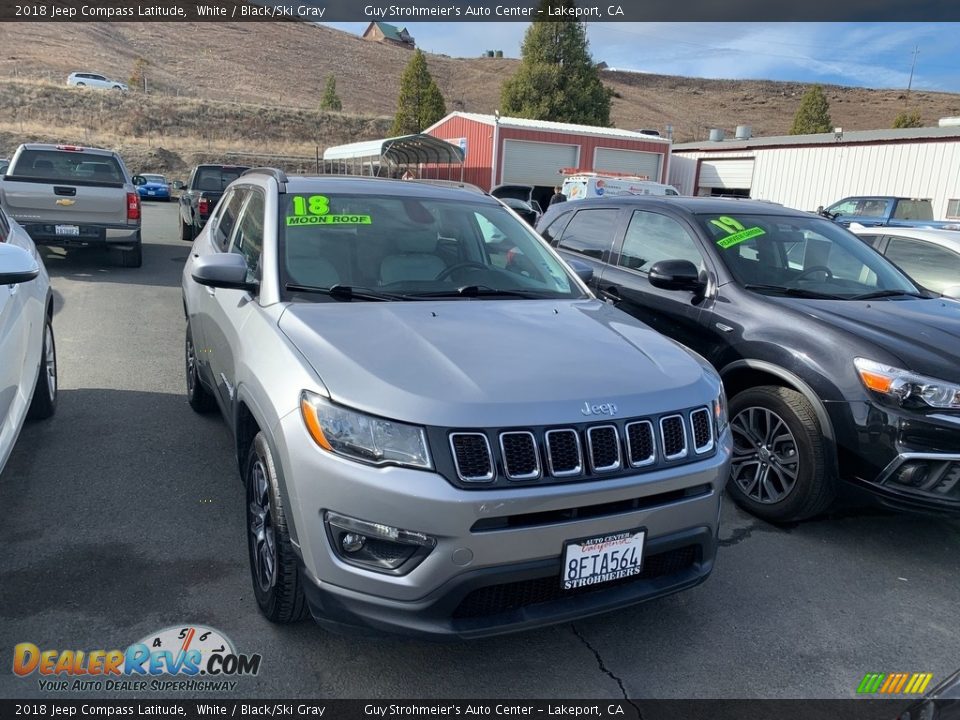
(611, 292)
(210, 290)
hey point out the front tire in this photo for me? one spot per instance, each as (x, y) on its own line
(274, 567)
(200, 399)
(780, 470)
(44, 402)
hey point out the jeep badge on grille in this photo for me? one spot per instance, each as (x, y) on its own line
(601, 409)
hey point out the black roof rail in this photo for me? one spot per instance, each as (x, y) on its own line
(276, 173)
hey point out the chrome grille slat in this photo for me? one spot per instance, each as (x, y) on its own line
(521, 457)
(471, 454)
(701, 429)
(603, 444)
(564, 454)
(641, 443)
(673, 436)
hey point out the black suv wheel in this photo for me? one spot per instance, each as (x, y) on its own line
(779, 470)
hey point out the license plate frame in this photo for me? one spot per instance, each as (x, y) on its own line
(67, 230)
(621, 540)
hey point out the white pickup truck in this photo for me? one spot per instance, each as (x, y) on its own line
(72, 196)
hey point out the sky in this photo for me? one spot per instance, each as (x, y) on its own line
(875, 55)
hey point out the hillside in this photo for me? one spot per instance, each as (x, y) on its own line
(255, 87)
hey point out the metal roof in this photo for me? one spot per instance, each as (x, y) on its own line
(848, 137)
(527, 124)
(403, 150)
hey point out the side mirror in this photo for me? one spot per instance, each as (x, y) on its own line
(178, 185)
(582, 270)
(226, 270)
(139, 180)
(819, 209)
(675, 275)
(952, 292)
(16, 265)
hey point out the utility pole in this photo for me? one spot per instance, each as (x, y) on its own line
(916, 51)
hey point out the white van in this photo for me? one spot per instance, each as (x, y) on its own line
(592, 185)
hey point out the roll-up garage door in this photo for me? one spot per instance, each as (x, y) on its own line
(630, 162)
(537, 163)
(733, 174)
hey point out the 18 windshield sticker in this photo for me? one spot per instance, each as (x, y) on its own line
(315, 210)
(736, 232)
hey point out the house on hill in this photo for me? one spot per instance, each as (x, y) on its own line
(385, 32)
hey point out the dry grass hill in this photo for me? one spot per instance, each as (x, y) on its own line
(255, 87)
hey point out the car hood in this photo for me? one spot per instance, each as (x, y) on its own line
(923, 333)
(494, 362)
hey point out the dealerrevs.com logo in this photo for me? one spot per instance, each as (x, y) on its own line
(179, 658)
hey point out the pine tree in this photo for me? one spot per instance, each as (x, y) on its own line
(910, 119)
(330, 99)
(813, 115)
(421, 103)
(557, 79)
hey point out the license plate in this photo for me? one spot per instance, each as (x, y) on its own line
(603, 558)
(150, 192)
(68, 230)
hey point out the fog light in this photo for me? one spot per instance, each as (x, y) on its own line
(912, 474)
(352, 542)
(376, 546)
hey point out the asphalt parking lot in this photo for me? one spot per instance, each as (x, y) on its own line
(123, 515)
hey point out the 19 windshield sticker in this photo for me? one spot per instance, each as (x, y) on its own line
(315, 210)
(736, 232)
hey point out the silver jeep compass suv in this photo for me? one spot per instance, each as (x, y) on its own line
(440, 430)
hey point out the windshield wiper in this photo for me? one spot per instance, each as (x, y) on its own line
(887, 293)
(343, 292)
(795, 292)
(478, 291)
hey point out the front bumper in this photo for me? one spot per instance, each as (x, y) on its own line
(906, 460)
(95, 235)
(496, 564)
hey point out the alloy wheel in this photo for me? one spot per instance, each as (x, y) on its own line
(766, 459)
(263, 547)
(50, 361)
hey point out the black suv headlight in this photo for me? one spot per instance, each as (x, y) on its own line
(907, 387)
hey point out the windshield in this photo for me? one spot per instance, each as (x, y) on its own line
(66, 166)
(406, 247)
(809, 255)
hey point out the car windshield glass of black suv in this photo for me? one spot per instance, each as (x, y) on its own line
(809, 257)
(408, 248)
(65, 166)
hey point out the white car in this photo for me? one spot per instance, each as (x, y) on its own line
(931, 257)
(28, 356)
(85, 79)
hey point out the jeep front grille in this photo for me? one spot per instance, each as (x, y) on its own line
(521, 461)
(498, 457)
(472, 456)
(564, 456)
(673, 437)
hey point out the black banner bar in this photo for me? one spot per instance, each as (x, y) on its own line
(404, 11)
(462, 709)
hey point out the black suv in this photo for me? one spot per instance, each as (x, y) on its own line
(836, 365)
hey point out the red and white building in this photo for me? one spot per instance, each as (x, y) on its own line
(536, 152)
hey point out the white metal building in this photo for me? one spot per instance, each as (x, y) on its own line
(806, 171)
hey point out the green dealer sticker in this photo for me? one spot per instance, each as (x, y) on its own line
(328, 220)
(739, 237)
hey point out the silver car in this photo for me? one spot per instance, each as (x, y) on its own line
(440, 430)
(28, 358)
(95, 80)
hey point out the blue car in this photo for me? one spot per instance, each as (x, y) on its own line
(152, 187)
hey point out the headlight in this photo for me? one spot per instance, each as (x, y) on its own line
(905, 386)
(363, 437)
(720, 416)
